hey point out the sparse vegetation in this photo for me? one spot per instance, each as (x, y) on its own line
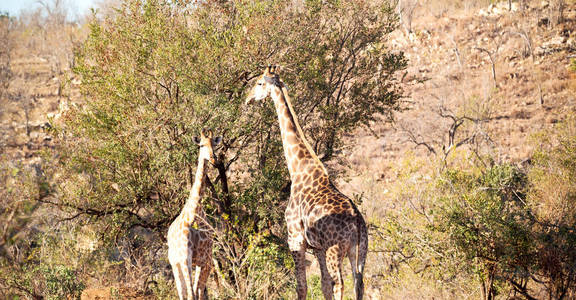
(496, 225)
(459, 203)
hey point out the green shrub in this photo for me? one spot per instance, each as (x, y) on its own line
(44, 272)
(62, 282)
(486, 219)
(552, 198)
(506, 229)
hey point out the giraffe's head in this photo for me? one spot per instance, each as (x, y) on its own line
(264, 85)
(207, 144)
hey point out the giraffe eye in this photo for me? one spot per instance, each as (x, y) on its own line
(259, 83)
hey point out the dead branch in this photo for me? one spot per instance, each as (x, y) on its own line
(527, 42)
(456, 51)
(417, 140)
(491, 56)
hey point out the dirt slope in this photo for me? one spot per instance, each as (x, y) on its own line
(449, 66)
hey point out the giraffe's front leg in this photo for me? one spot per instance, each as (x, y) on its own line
(300, 265)
(297, 245)
(327, 282)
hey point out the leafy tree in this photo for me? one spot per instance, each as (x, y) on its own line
(156, 72)
(486, 219)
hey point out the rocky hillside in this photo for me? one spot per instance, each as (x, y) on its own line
(450, 67)
(450, 76)
(35, 98)
(504, 70)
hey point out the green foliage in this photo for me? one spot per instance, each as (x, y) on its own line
(260, 271)
(483, 214)
(62, 282)
(21, 189)
(466, 225)
(507, 229)
(314, 287)
(159, 72)
(163, 289)
(156, 72)
(552, 198)
(485, 218)
(42, 270)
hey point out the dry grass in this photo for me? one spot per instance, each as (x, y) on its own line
(533, 92)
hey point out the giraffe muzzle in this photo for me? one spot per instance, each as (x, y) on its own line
(249, 100)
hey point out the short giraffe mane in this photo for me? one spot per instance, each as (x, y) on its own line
(284, 92)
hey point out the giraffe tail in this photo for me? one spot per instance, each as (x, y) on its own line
(361, 252)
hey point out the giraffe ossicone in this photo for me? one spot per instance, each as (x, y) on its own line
(318, 216)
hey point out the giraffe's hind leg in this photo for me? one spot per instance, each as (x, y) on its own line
(353, 264)
(196, 280)
(334, 256)
(204, 273)
(187, 272)
(179, 280)
(354, 257)
(327, 282)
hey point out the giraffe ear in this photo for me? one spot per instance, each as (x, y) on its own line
(196, 140)
(216, 140)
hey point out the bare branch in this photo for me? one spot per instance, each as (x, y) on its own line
(491, 56)
(412, 137)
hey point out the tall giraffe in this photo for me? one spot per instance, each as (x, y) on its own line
(190, 235)
(317, 216)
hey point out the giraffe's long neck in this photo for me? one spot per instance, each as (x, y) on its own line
(300, 156)
(193, 207)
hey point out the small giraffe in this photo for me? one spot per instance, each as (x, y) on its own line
(190, 235)
(317, 216)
